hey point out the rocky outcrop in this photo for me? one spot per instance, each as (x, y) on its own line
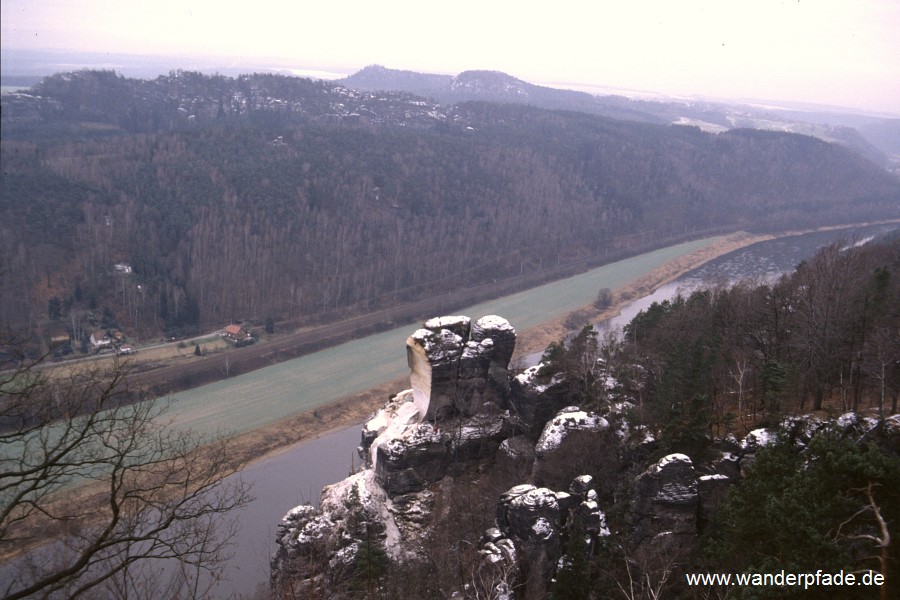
(317, 547)
(570, 436)
(460, 413)
(453, 417)
(535, 400)
(458, 369)
(531, 528)
(426, 453)
(665, 508)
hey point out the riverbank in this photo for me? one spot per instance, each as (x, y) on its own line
(265, 442)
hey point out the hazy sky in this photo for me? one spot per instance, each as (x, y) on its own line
(839, 52)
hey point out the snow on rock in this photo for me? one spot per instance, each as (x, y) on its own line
(522, 506)
(670, 481)
(758, 438)
(457, 368)
(457, 324)
(592, 518)
(567, 421)
(542, 529)
(389, 423)
(503, 336)
(536, 399)
(529, 378)
(856, 421)
(581, 484)
(438, 346)
(669, 459)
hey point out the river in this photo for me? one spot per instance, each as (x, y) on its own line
(297, 475)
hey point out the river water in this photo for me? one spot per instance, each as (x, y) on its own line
(297, 475)
(763, 261)
(294, 476)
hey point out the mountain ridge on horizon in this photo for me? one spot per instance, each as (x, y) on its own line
(875, 136)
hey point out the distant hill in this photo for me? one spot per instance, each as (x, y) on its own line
(876, 138)
(495, 86)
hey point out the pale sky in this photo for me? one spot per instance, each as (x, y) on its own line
(835, 52)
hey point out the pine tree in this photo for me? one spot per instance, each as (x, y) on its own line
(573, 577)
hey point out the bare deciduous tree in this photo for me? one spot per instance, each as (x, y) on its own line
(98, 490)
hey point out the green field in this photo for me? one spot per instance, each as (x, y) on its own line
(250, 401)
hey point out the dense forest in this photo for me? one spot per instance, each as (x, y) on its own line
(273, 197)
(732, 357)
(725, 360)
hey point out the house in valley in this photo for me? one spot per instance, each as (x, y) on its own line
(99, 339)
(236, 334)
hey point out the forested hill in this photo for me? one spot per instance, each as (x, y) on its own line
(875, 137)
(267, 196)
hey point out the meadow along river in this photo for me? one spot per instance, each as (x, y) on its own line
(297, 474)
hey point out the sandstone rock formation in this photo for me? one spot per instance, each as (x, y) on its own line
(454, 415)
(466, 415)
(458, 369)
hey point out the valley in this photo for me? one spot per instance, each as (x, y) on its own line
(319, 223)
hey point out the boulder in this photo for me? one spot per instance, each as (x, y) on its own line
(534, 400)
(412, 461)
(571, 437)
(515, 455)
(665, 505)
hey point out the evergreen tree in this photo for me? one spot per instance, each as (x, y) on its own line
(572, 580)
(370, 565)
(804, 510)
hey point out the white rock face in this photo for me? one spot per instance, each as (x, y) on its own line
(758, 438)
(567, 421)
(392, 421)
(456, 368)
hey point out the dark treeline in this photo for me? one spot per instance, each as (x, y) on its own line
(723, 361)
(268, 196)
(732, 358)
